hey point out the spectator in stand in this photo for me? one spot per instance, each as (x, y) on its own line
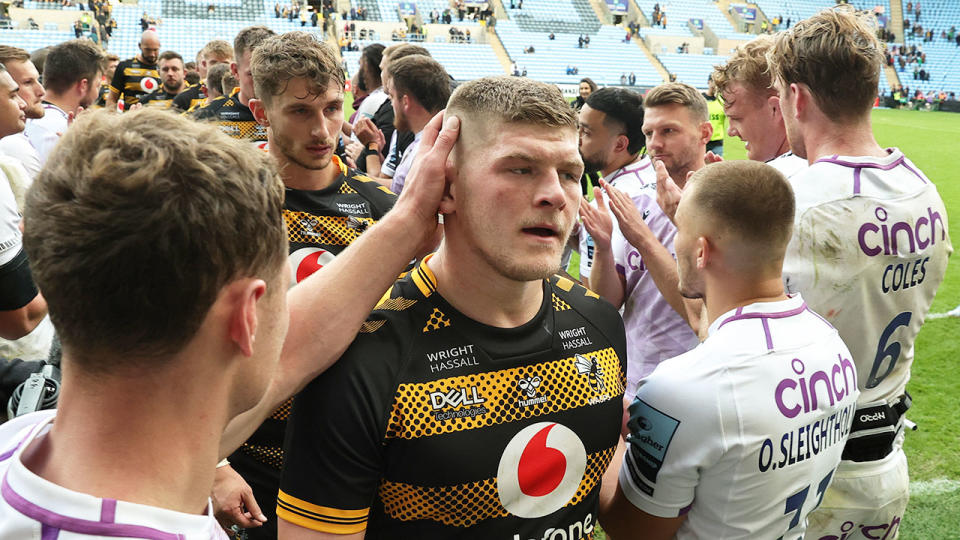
(632, 79)
(587, 87)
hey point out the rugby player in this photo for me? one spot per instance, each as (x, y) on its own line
(201, 243)
(483, 398)
(71, 78)
(213, 53)
(326, 207)
(171, 73)
(752, 106)
(739, 437)
(112, 62)
(21, 306)
(233, 114)
(419, 88)
(869, 250)
(24, 73)
(135, 76)
(611, 137)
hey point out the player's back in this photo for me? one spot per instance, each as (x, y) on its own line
(869, 249)
(744, 432)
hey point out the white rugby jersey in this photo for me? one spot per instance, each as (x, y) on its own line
(788, 163)
(869, 249)
(655, 331)
(627, 179)
(31, 507)
(743, 433)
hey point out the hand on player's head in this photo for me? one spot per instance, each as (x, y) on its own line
(426, 183)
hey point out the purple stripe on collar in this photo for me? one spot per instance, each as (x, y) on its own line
(6, 455)
(108, 511)
(826, 322)
(856, 181)
(739, 316)
(766, 333)
(83, 526)
(49, 533)
(917, 173)
(836, 161)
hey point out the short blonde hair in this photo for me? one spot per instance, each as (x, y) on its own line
(747, 66)
(678, 94)
(138, 221)
(837, 56)
(512, 100)
(217, 48)
(293, 55)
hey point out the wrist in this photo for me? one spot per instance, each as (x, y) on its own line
(373, 147)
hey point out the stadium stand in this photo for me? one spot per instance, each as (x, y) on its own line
(693, 69)
(604, 60)
(462, 61)
(942, 54)
(558, 16)
(680, 13)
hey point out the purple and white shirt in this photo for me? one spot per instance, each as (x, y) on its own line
(31, 507)
(742, 434)
(788, 163)
(655, 331)
(44, 133)
(869, 249)
(406, 163)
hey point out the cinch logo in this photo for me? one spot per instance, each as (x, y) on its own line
(834, 386)
(884, 531)
(456, 397)
(540, 470)
(306, 261)
(920, 235)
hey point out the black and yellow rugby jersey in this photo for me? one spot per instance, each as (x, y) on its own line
(233, 117)
(433, 425)
(194, 96)
(159, 98)
(320, 224)
(133, 79)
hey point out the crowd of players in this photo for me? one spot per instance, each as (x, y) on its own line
(732, 363)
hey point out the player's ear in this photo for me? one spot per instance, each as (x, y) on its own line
(623, 142)
(704, 252)
(448, 201)
(259, 112)
(240, 301)
(706, 132)
(234, 70)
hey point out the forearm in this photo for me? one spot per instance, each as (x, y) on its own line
(15, 324)
(324, 320)
(604, 278)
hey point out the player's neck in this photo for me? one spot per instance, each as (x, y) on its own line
(481, 293)
(296, 177)
(151, 439)
(616, 164)
(63, 101)
(725, 293)
(831, 139)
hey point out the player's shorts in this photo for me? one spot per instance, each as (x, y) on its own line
(865, 501)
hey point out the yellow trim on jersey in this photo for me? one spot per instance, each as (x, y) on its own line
(423, 277)
(321, 518)
(564, 284)
(343, 168)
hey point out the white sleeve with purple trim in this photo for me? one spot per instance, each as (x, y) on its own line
(32, 507)
(869, 249)
(742, 434)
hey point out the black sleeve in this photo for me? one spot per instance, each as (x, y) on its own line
(16, 283)
(333, 457)
(119, 80)
(182, 101)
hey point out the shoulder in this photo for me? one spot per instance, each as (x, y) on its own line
(568, 294)
(380, 197)
(211, 109)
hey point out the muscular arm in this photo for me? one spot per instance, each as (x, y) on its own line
(16, 323)
(324, 320)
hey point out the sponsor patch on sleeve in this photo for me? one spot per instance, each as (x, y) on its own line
(650, 434)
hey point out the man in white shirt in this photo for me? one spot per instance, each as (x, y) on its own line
(153, 334)
(419, 88)
(738, 438)
(24, 73)
(71, 77)
(752, 106)
(611, 136)
(869, 251)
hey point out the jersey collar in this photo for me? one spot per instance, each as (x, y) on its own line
(792, 306)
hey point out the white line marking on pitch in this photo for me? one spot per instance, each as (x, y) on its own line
(938, 486)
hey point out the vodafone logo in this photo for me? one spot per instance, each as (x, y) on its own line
(306, 261)
(148, 84)
(540, 470)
